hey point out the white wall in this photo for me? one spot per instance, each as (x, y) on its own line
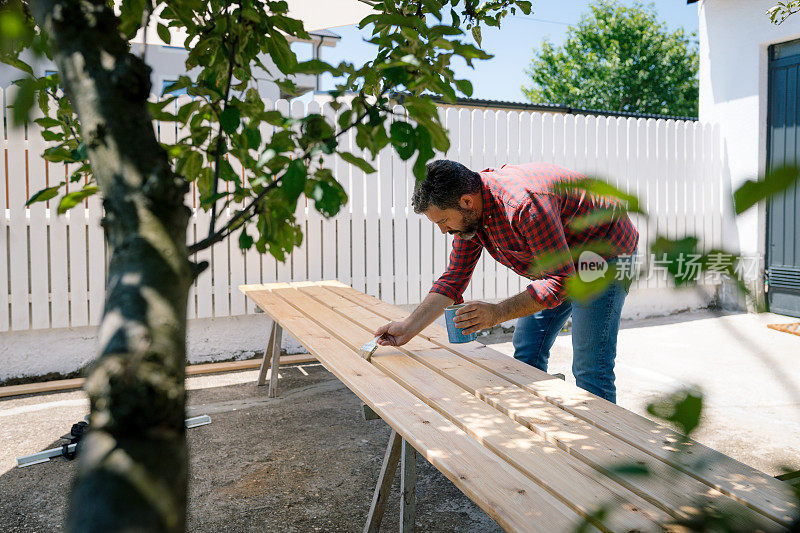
(734, 40)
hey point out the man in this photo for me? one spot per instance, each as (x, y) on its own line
(526, 219)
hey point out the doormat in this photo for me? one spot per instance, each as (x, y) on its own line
(788, 328)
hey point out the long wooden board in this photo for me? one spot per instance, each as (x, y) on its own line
(744, 484)
(567, 478)
(665, 488)
(509, 497)
(191, 370)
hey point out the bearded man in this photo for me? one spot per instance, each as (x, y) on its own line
(523, 216)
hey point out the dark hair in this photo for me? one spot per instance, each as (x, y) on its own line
(444, 184)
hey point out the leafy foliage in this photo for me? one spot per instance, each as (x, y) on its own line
(225, 125)
(782, 10)
(774, 182)
(618, 58)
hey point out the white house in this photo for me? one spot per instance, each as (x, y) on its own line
(749, 85)
(168, 61)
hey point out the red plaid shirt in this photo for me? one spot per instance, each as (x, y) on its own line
(525, 220)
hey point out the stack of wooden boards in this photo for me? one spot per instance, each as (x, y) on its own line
(536, 453)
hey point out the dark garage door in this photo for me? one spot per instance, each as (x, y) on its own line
(783, 219)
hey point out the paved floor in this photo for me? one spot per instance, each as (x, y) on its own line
(261, 465)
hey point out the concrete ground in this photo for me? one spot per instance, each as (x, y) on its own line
(307, 461)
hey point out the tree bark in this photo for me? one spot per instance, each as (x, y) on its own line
(132, 472)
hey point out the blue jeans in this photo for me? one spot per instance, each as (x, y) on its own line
(595, 324)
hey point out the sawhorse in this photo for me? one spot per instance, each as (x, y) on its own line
(272, 359)
(398, 451)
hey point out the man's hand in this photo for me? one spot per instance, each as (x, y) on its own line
(394, 334)
(475, 316)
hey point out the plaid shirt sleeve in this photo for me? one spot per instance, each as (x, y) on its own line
(539, 222)
(463, 258)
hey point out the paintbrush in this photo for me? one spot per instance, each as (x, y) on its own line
(368, 349)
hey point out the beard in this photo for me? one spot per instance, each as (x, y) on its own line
(470, 222)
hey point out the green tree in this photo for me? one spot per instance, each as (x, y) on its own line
(133, 465)
(618, 58)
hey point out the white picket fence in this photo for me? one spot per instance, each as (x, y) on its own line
(53, 268)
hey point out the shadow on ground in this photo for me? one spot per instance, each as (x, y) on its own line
(306, 461)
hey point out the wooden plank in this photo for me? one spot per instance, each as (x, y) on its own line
(37, 180)
(96, 265)
(344, 219)
(566, 477)
(191, 370)
(311, 227)
(372, 235)
(386, 242)
(4, 224)
(511, 499)
(586, 443)
(329, 246)
(408, 488)
(401, 218)
(384, 486)
(266, 360)
(78, 282)
(59, 282)
(742, 483)
(18, 234)
(275, 363)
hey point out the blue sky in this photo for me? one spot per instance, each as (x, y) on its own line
(501, 77)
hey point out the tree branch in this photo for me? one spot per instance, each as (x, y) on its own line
(225, 230)
(215, 181)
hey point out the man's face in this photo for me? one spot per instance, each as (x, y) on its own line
(462, 221)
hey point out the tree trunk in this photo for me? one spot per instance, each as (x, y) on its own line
(132, 470)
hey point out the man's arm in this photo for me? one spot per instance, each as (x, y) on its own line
(399, 333)
(475, 316)
(445, 291)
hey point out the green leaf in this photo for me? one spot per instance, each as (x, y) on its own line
(584, 290)
(229, 119)
(476, 33)
(253, 137)
(24, 100)
(357, 161)
(682, 408)
(187, 109)
(602, 188)
(752, 192)
(403, 139)
(680, 257)
(74, 198)
(294, 180)
(47, 122)
(315, 66)
(245, 240)
(190, 164)
(57, 154)
(52, 136)
(163, 33)
(465, 86)
(274, 118)
(44, 195)
(328, 194)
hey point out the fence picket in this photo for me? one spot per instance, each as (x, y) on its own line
(37, 180)
(18, 236)
(376, 243)
(385, 179)
(344, 219)
(4, 225)
(400, 220)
